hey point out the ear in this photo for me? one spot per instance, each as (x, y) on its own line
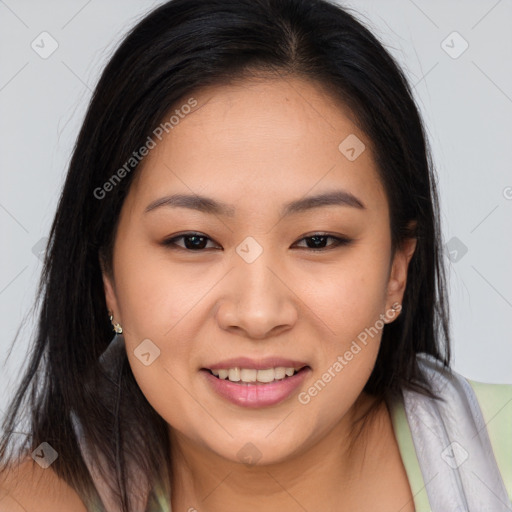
(398, 274)
(109, 288)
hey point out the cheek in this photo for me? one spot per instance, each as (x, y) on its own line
(348, 295)
(155, 298)
(352, 307)
(350, 299)
(154, 294)
(169, 393)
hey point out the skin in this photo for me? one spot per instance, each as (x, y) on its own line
(28, 487)
(257, 145)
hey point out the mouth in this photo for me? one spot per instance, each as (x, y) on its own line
(255, 387)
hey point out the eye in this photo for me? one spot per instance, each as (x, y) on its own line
(198, 241)
(317, 241)
(192, 241)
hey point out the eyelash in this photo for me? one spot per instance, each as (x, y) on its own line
(339, 241)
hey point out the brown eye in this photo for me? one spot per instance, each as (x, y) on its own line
(318, 241)
(191, 242)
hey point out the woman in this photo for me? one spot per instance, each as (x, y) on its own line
(252, 209)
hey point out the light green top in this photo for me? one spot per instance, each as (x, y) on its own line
(495, 401)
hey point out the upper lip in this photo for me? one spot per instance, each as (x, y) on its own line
(258, 364)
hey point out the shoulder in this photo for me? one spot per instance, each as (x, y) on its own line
(495, 401)
(491, 392)
(445, 380)
(27, 487)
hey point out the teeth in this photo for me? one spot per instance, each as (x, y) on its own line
(234, 374)
(252, 375)
(265, 375)
(248, 375)
(279, 372)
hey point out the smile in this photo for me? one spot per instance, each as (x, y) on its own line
(248, 375)
(249, 387)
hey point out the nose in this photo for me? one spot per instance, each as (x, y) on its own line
(259, 301)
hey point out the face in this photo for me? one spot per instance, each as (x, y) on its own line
(258, 277)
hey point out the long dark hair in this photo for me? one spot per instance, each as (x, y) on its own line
(178, 48)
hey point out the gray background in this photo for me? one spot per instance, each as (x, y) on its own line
(465, 98)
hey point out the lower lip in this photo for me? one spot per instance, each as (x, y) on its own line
(256, 395)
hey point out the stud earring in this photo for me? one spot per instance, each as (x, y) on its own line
(392, 313)
(117, 327)
(396, 306)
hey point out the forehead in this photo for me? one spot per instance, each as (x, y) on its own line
(278, 137)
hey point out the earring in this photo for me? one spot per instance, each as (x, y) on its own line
(117, 327)
(395, 308)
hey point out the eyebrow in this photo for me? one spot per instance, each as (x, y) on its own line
(213, 207)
